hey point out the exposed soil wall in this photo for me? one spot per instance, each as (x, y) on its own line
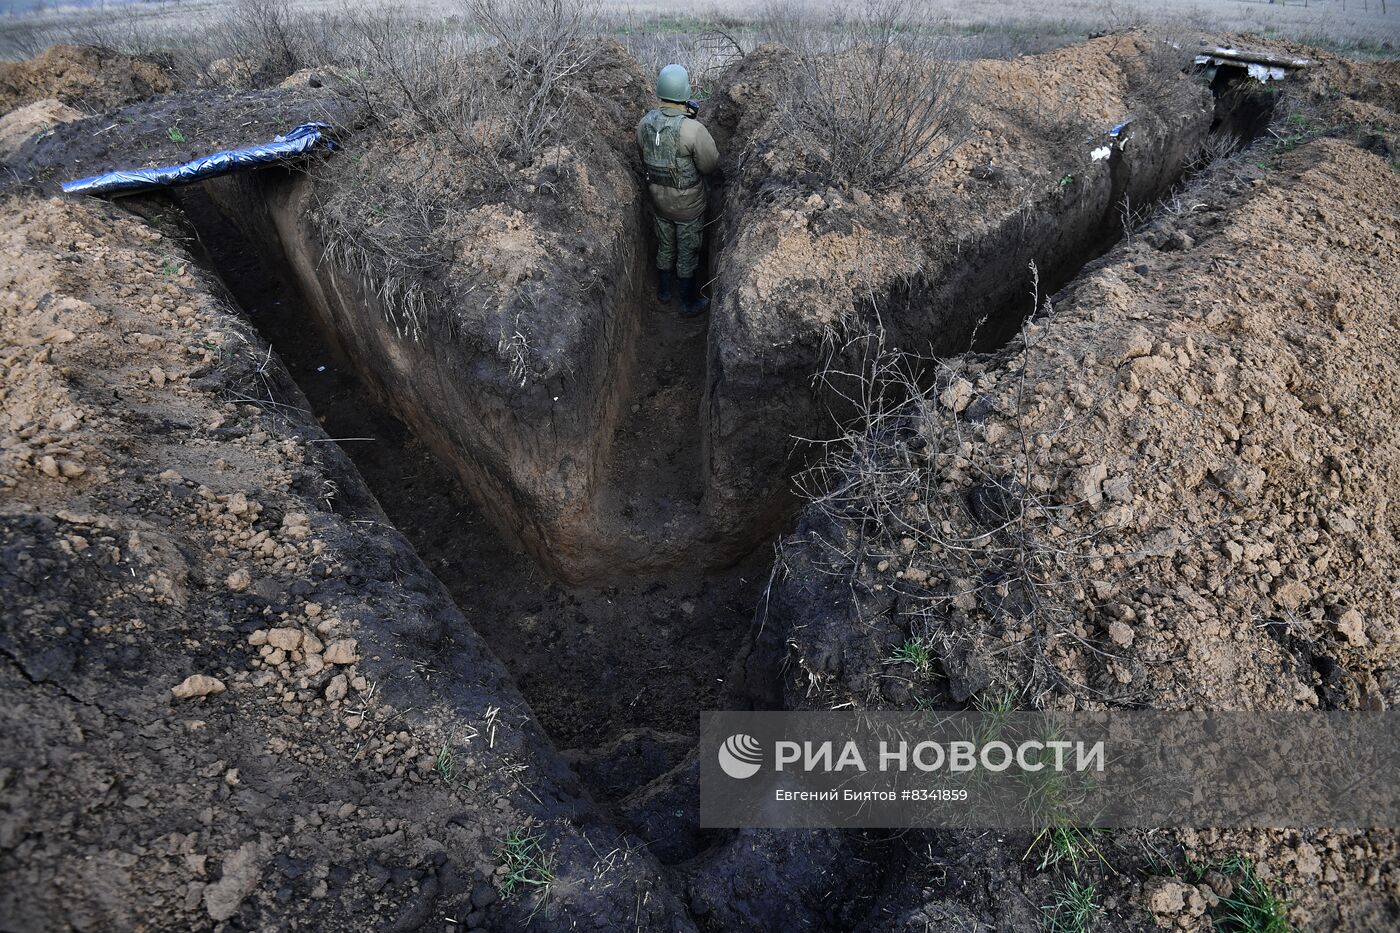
(803, 265)
(531, 450)
(1210, 413)
(350, 753)
(516, 372)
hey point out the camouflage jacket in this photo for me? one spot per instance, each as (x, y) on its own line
(689, 149)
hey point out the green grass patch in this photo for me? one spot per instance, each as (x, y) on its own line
(915, 653)
(445, 765)
(527, 867)
(1252, 907)
(1073, 910)
(1065, 845)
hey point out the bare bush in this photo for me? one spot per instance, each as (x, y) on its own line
(278, 39)
(544, 45)
(985, 549)
(720, 44)
(877, 96)
(424, 76)
(793, 24)
(455, 114)
(384, 234)
(382, 206)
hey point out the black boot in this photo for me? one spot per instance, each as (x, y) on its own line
(663, 286)
(693, 303)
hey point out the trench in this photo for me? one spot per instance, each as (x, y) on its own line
(615, 668)
(596, 661)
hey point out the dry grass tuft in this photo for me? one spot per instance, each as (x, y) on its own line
(453, 115)
(981, 549)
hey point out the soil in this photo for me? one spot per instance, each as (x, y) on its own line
(1211, 412)
(808, 264)
(87, 78)
(595, 662)
(234, 694)
(17, 126)
(341, 593)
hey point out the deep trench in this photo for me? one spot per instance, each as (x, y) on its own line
(594, 661)
(626, 664)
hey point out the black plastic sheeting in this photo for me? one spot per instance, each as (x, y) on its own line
(299, 141)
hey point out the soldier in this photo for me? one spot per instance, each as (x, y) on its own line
(678, 152)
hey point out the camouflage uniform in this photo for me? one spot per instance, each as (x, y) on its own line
(678, 152)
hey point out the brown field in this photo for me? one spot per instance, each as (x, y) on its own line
(1362, 26)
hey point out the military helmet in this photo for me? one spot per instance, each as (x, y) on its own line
(673, 84)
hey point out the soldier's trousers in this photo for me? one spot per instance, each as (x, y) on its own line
(678, 244)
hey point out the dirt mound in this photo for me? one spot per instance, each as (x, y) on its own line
(81, 76)
(262, 705)
(806, 264)
(1169, 492)
(17, 126)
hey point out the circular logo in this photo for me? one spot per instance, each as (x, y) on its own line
(740, 756)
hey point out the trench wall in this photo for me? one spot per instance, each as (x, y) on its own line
(759, 398)
(534, 455)
(529, 454)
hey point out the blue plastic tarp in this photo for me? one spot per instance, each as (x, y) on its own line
(299, 141)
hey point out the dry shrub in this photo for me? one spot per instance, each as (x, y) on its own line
(269, 40)
(720, 43)
(876, 95)
(987, 550)
(1169, 50)
(453, 117)
(419, 77)
(544, 45)
(426, 92)
(279, 40)
(793, 25)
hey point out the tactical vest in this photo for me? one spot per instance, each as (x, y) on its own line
(661, 140)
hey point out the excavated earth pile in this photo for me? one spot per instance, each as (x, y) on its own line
(1203, 425)
(85, 77)
(65, 83)
(232, 691)
(1201, 438)
(806, 268)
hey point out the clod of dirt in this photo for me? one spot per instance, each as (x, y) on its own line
(82, 76)
(197, 685)
(17, 126)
